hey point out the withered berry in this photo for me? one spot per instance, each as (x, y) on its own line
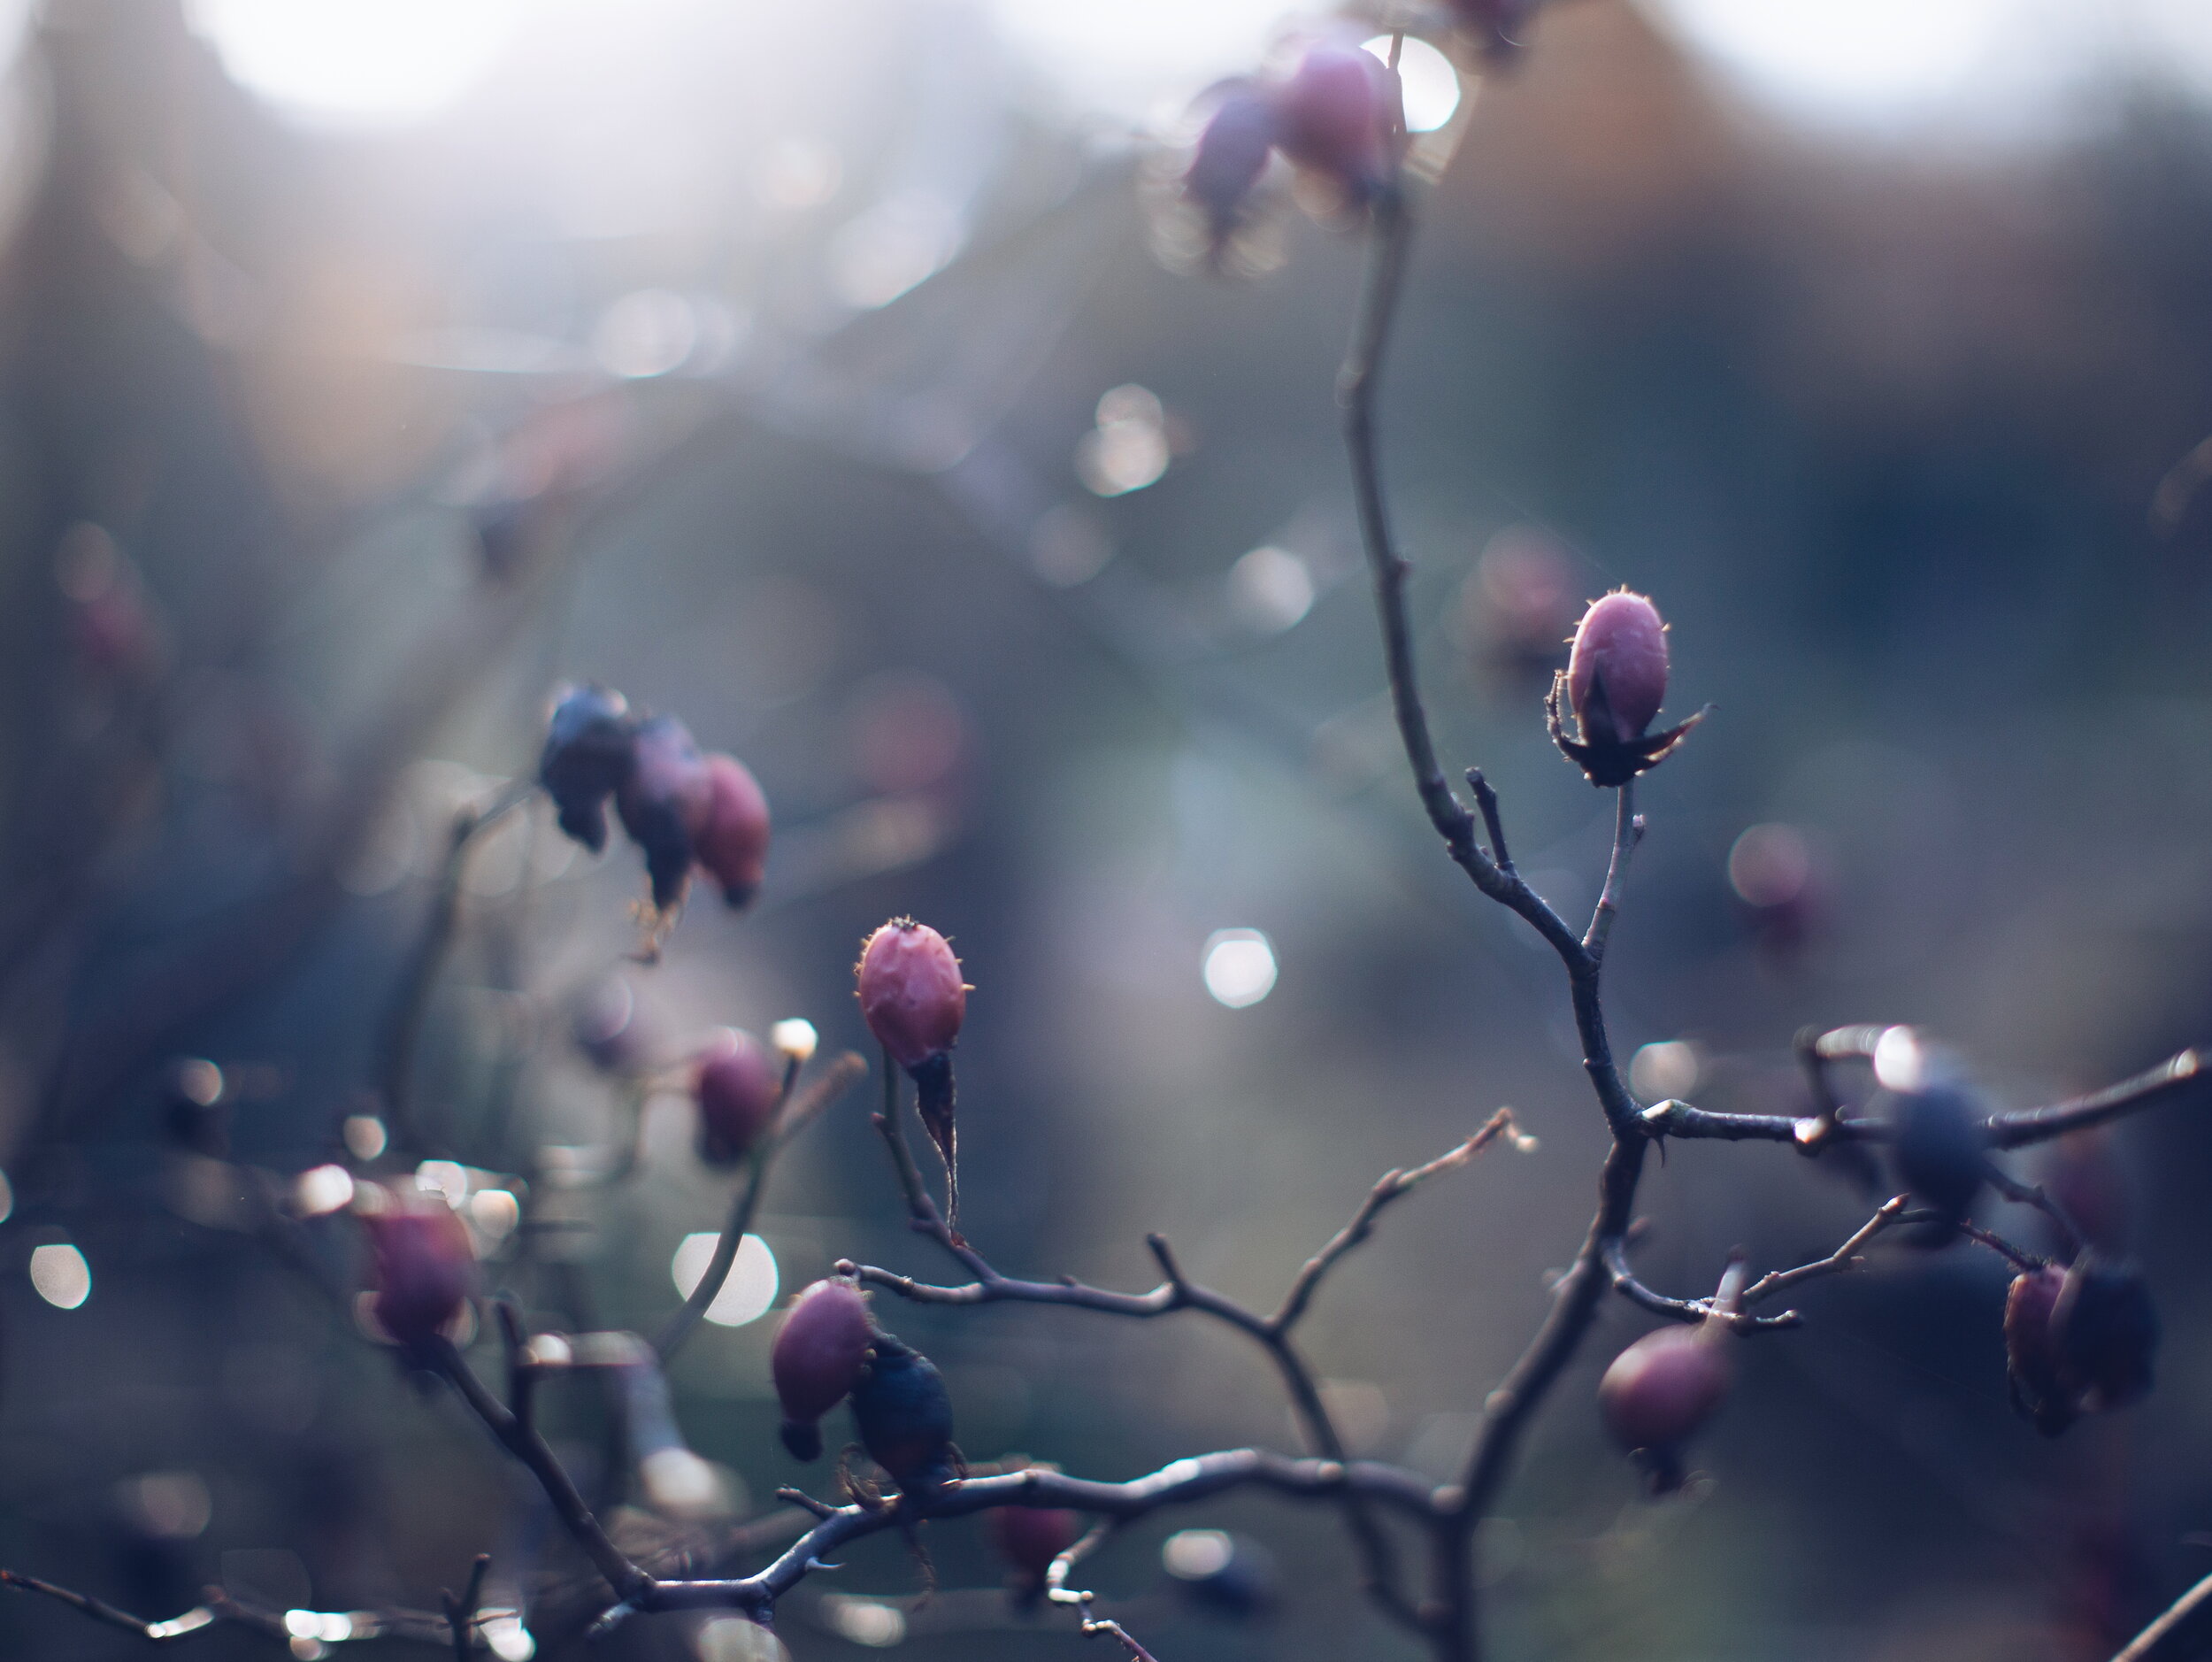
(1940, 1152)
(738, 1088)
(667, 793)
(2078, 1341)
(904, 1415)
(816, 1358)
(1615, 681)
(588, 757)
(1231, 154)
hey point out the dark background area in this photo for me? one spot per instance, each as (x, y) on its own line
(323, 457)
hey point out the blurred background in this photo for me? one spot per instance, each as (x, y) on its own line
(825, 375)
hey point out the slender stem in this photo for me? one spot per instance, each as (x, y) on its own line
(2182, 1075)
(1392, 1186)
(1628, 831)
(521, 1439)
(410, 1003)
(680, 1325)
(177, 1627)
(1378, 1556)
(2171, 1638)
(797, 1110)
(460, 1614)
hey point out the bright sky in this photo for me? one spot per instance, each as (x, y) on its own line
(1875, 66)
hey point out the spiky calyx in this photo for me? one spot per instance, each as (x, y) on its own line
(1615, 681)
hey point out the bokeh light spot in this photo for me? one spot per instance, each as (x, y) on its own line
(1660, 1071)
(1195, 1555)
(1769, 865)
(1429, 82)
(1270, 591)
(61, 1276)
(357, 62)
(1239, 967)
(751, 1287)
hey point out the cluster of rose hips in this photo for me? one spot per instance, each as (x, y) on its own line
(2079, 1337)
(1337, 117)
(683, 808)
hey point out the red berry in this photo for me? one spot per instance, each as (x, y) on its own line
(424, 1269)
(817, 1359)
(1617, 677)
(730, 836)
(1030, 1537)
(1334, 116)
(738, 1088)
(910, 991)
(1661, 1389)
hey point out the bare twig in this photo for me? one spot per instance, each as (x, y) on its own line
(521, 1439)
(410, 1002)
(1390, 1187)
(1844, 1258)
(1625, 1284)
(2070, 1235)
(2173, 1637)
(1177, 1292)
(1628, 831)
(460, 1614)
(2176, 1077)
(176, 1627)
(1058, 1590)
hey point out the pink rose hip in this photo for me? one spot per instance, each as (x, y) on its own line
(423, 1269)
(738, 1088)
(731, 838)
(817, 1357)
(1614, 683)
